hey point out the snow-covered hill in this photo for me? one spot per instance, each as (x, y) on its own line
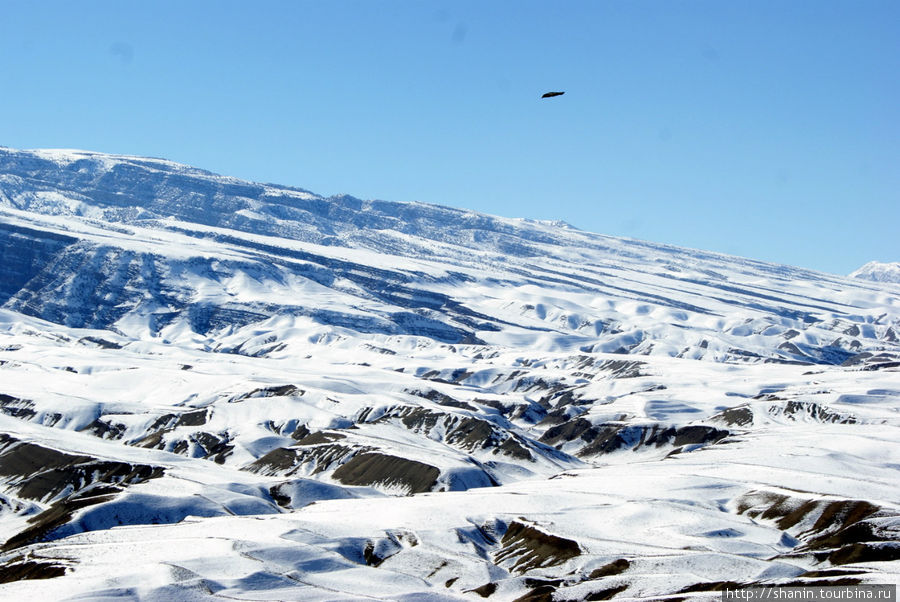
(879, 272)
(477, 406)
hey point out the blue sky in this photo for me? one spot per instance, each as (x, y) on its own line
(765, 128)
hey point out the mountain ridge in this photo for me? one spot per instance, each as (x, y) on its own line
(529, 251)
(68, 158)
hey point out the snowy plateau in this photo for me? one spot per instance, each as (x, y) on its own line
(213, 389)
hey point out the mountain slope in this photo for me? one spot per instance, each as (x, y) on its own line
(139, 245)
(563, 413)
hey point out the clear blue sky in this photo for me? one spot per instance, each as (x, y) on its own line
(765, 128)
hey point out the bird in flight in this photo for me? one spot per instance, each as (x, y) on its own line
(552, 94)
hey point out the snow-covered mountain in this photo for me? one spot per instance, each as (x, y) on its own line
(331, 398)
(879, 272)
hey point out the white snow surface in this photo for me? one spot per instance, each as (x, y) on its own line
(879, 272)
(213, 389)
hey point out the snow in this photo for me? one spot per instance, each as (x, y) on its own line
(251, 351)
(879, 272)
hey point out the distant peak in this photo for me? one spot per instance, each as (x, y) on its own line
(879, 272)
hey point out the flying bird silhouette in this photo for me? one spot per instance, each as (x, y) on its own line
(552, 94)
